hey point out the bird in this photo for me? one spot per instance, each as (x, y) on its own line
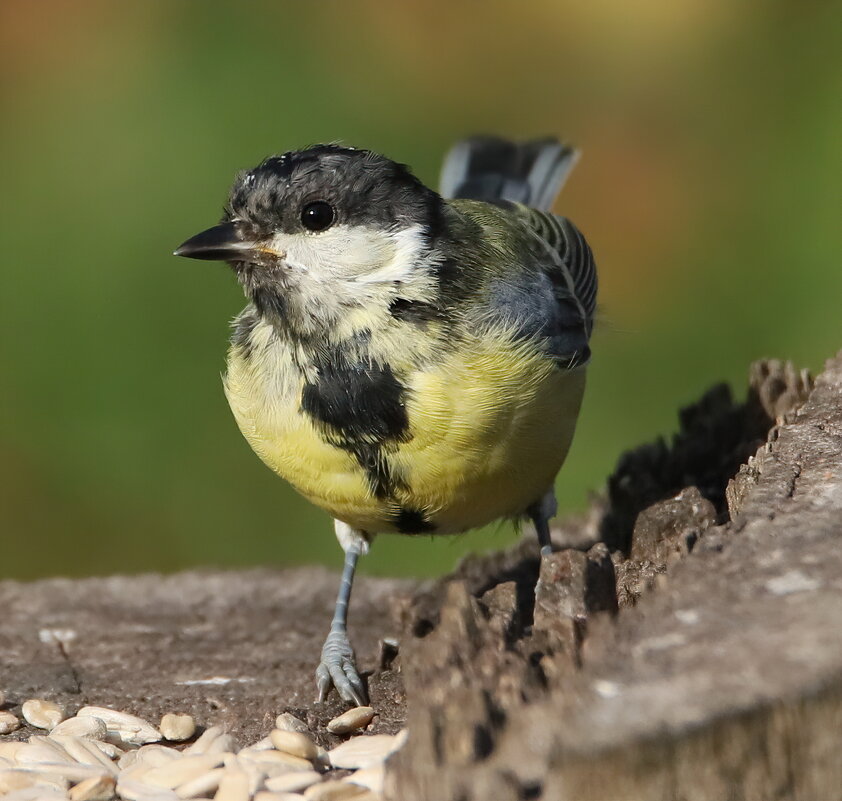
(411, 361)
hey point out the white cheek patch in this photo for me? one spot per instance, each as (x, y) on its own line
(356, 267)
(341, 252)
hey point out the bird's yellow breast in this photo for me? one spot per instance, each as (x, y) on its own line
(489, 426)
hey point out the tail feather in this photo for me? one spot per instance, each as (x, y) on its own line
(493, 169)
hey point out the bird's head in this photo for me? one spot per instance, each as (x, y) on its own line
(319, 234)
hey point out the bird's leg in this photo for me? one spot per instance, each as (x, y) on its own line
(541, 512)
(337, 668)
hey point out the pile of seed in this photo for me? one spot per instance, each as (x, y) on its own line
(101, 754)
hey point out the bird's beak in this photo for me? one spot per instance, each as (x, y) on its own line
(223, 242)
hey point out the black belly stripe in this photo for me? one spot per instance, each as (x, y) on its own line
(381, 480)
(413, 521)
(360, 407)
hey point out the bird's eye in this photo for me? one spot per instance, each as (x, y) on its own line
(317, 216)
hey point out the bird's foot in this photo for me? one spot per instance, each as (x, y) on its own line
(337, 669)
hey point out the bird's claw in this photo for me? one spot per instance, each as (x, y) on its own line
(337, 669)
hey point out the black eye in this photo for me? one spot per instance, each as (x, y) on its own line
(317, 216)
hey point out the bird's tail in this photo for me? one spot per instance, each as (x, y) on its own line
(493, 169)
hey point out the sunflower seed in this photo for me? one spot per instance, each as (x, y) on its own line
(42, 714)
(10, 750)
(333, 791)
(224, 744)
(37, 750)
(101, 788)
(292, 782)
(372, 778)
(109, 749)
(122, 726)
(177, 728)
(289, 761)
(8, 723)
(206, 783)
(154, 756)
(11, 780)
(180, 771)
(261, 745)
(266, 796)
(82, 727)
(36, 793)
(295, 743)
(133, 790)
(363, 751)
(205, 740)
(288, 722)
(353, 719)
(73, 772)
(84, 752)
(234, 785)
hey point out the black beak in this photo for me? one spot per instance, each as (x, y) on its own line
(223, 242)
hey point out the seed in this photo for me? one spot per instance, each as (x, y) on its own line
(177, 728)
(201, 785)
(234, 785)
(101, 788)
(37, 792)
(364, 751)
(206, 739)
(333, 791)
(372, 778)
(10, 750)
(281, 758)
(154, 756)
(349, 721)
(8, 723)
(38, 750)
(179, 771)
(11, 780)
(133, 790)
(73, 772)
(127, 760)
(83, 751)
(42, 714)
(264, 796)
(122, 726)
(255, 748)
(287, 722)
(82, 727)
(109, 749)
(295, 743)
(224, 744)
(292, 782)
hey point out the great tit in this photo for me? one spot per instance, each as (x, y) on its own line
(412, 362)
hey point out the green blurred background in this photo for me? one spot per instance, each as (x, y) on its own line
(709, 188)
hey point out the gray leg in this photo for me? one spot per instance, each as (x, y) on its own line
(540, 513)
(337, 668)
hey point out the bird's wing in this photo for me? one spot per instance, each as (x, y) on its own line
(567, 273)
